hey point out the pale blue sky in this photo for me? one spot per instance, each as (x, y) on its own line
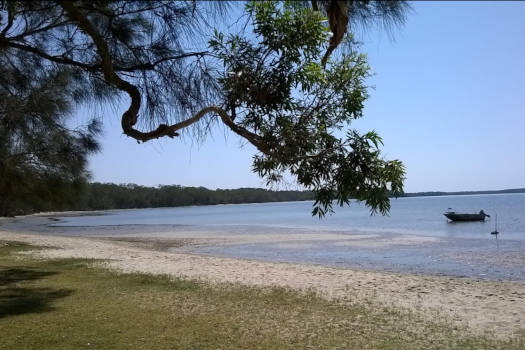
(449, 102)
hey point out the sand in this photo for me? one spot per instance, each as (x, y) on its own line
(485, 306)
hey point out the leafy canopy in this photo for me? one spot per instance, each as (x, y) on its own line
(277, 84)
(276, 88)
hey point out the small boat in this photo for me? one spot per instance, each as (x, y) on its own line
(454, 216)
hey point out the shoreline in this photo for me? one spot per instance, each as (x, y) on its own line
(484, 306)
(353, 249)
(88, 212)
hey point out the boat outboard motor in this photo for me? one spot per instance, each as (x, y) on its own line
(482, 212)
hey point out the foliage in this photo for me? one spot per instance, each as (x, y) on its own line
(344, 16)
(276, 87)
(55, 194)
(42, 162)
(112, 196)
(48, 69)
(144, 41)
(294, 109)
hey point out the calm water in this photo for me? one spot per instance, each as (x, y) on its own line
(461, 249)
(416, 215)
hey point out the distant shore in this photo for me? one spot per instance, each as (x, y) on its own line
(463, 193)
(104, 197)
(495, 306)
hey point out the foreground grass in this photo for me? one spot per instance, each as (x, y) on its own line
(70, 304)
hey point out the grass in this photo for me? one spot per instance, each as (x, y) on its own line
(72, 304)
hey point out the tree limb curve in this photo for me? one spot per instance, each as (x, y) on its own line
(130, 116)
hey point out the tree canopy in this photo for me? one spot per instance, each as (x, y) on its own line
(42, 161)
(276, 83)
(99, 196)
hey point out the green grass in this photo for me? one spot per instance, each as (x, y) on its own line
(72, 304)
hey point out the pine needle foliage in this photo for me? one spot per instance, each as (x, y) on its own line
(275, 83)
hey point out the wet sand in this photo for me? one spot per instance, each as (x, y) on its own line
(485, 306)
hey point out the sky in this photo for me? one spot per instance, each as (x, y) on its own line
(448, 100)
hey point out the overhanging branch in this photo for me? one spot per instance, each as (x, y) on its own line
(129, 118)
(152, 65)
(56, 59)
(96, 67)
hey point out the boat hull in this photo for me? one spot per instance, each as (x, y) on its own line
(465, 217)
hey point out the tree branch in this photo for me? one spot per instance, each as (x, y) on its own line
(337, 12)
(39, 30)
(57, 59)
(10, 19)
(129, 118)
(95, 67)
(315, 7)
(151, 65)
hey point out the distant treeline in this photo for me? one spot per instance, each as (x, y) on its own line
(60, 196)
(101, 196)
(461, 193)
(112, 196)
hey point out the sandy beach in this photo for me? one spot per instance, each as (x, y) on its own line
(484, 306)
